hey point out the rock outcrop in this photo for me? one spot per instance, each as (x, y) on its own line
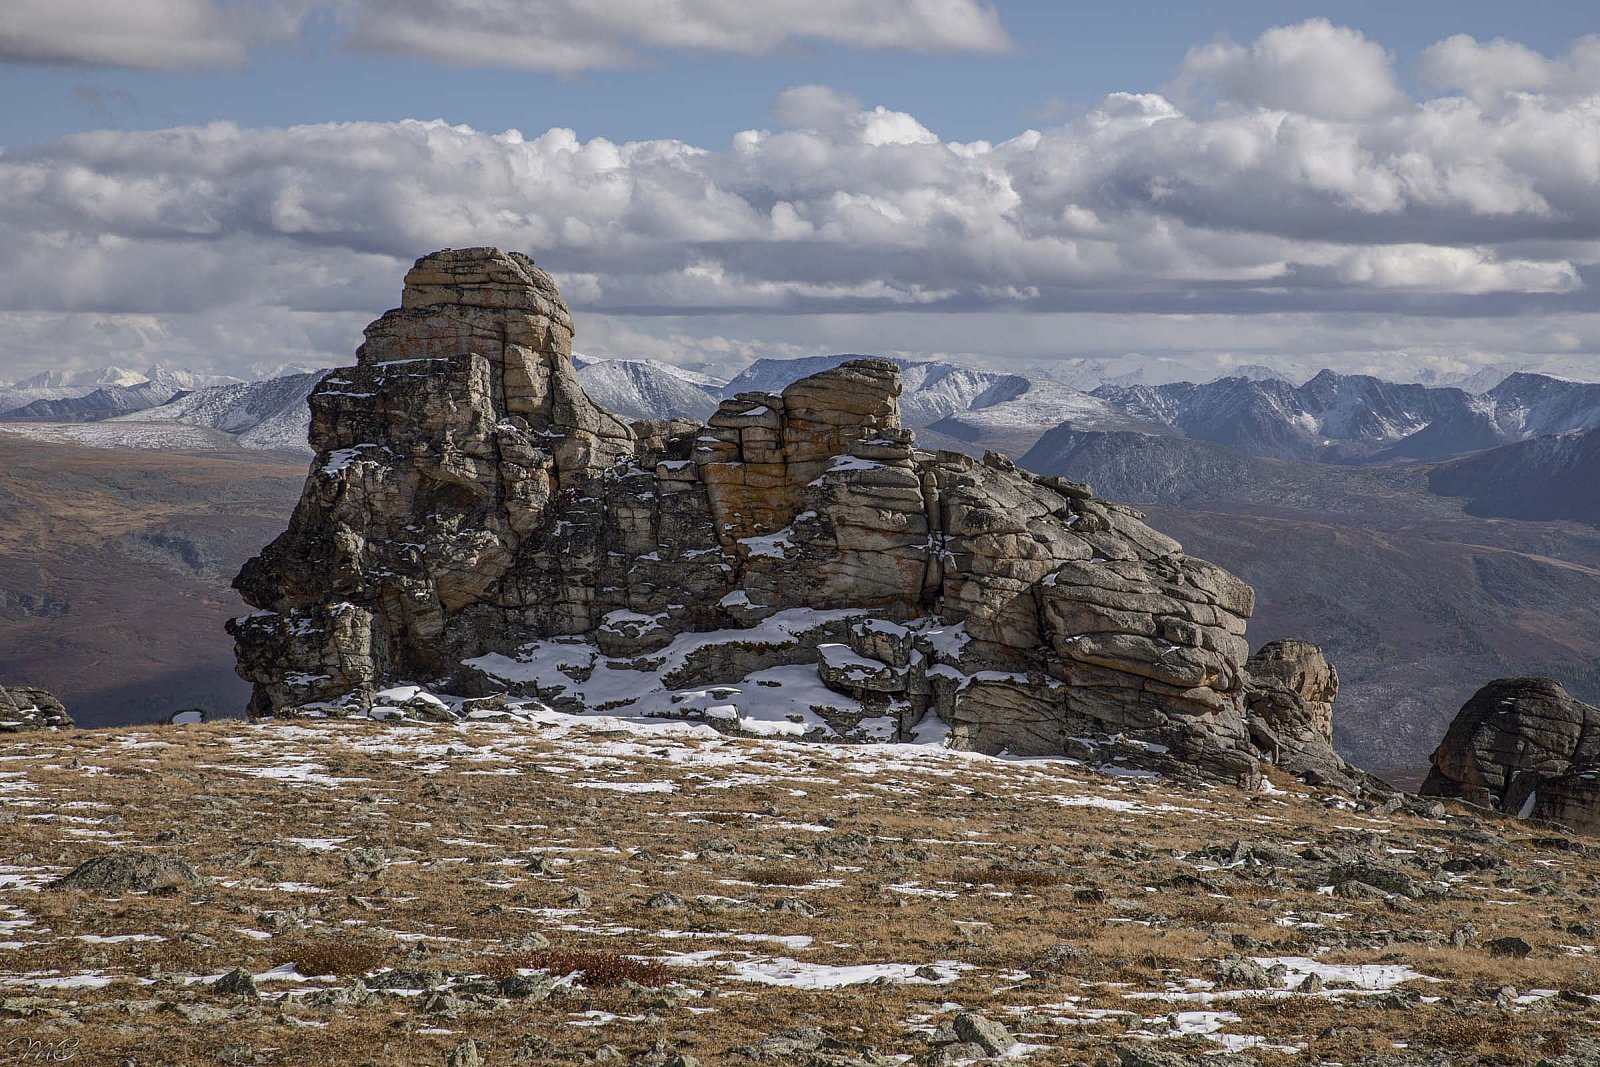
(474, 525)
(1525, 747)
(1289, 698)
(25, 708)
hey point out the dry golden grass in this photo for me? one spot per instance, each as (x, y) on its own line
(997, 874)
(978, 870)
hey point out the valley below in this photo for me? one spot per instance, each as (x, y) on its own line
(115, 566)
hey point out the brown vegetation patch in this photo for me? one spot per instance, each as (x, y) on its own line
(345, 958)
(997, 874)
(597, 968)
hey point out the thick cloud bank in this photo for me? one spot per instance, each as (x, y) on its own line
(1290, 177)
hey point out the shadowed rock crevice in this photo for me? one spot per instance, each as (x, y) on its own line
(473, 523)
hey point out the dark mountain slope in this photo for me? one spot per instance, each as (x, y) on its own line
(1555, 477)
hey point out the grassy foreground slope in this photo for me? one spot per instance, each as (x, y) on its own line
(595, 890)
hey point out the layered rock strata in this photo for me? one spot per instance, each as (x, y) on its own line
(25, 708)
(1525, 747)
(475, 525)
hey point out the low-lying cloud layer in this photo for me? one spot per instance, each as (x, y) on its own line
(1280, 198)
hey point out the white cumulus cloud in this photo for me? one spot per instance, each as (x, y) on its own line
(1487, 71)
(1312, 67)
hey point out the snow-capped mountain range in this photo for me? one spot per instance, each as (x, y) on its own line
(960, 406)
(270, 415)
(1330, 418)
(98, 394)
(648, 389)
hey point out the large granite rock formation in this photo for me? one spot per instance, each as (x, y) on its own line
(25, 708)
(475, 525)
(1524, 747)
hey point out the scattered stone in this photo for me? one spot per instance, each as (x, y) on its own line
(991, 1036)
(467, 1053)
(1241, 972)
(532, 941)
(958, 1053)
(794, 906)
(665, 902)
(366, 862)
(405, 978)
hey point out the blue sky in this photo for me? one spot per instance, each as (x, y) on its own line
(1367, 186)
(1066, 56)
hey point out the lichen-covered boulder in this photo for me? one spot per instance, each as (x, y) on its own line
(1526, 747)
(474, 524)
(26, 708)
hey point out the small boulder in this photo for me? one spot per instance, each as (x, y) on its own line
(237, 983)
(137, 872)
(991, 1036)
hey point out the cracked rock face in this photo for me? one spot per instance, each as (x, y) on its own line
(1526, 747)
(475, 525)
(25, 708)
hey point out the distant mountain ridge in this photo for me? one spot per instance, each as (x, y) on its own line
(967, 407)
(102, 403)
(1331, 418)
(1358, 418)
(648, 388)
(98, 393)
